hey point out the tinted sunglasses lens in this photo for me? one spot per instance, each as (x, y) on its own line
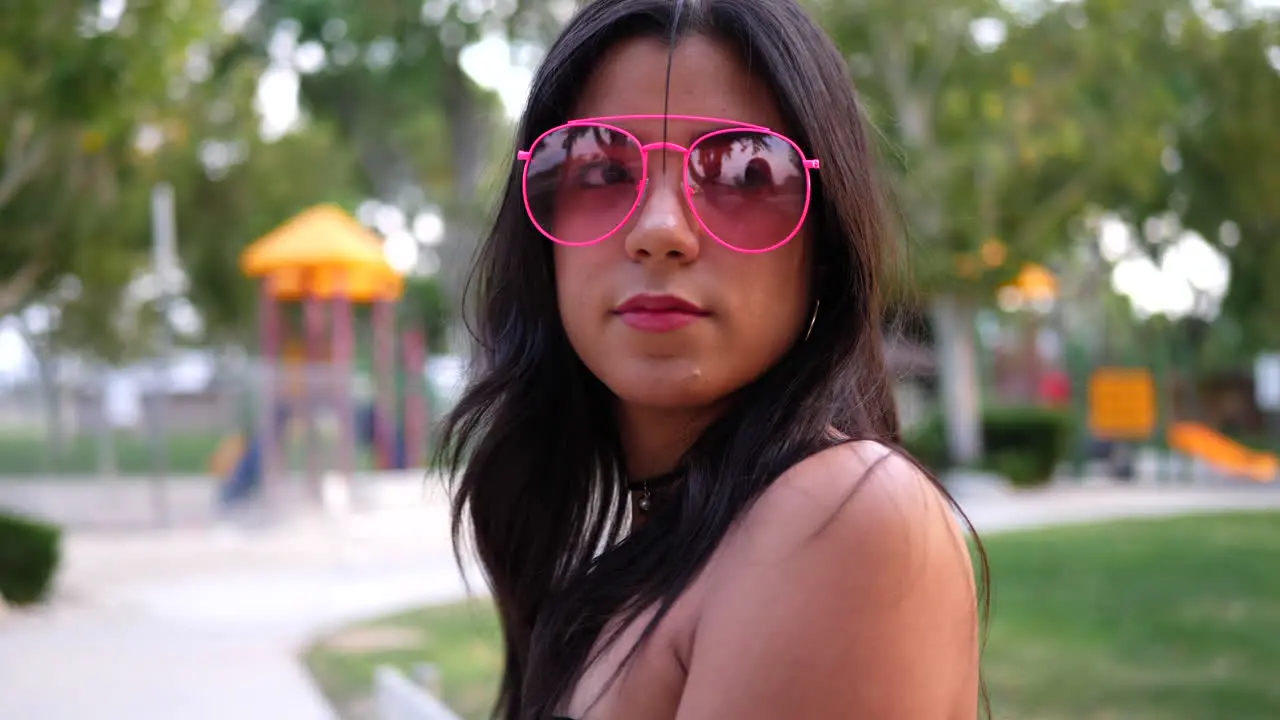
(749, 188)
(582, 182)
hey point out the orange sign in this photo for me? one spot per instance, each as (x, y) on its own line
(1122, 404)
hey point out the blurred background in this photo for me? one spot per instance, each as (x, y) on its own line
(234, 236)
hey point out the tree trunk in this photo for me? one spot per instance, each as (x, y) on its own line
(16, 289)
(50, 397)
(959, 381)
(468, 133)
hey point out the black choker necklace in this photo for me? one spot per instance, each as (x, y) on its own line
(643, 489)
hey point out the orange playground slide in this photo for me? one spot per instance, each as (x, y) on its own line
(1222, 453)
(227, 454)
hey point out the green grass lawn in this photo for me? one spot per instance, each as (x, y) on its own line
(1140, 620)
(23, 455)
(461, 640)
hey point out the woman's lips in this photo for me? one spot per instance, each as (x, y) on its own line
(660, 321)
(659, 313)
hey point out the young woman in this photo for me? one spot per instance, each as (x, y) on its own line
(678, 459)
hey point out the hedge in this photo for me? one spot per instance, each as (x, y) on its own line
(30, 552)
(1024, 444)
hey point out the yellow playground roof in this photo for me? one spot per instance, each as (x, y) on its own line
(323, 236)
(359, 285)
(321, 252)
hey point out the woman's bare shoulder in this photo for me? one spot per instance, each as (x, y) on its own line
(846, 493)
(846, 591)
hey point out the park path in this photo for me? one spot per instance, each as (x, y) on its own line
(201, 624)
(205, 624)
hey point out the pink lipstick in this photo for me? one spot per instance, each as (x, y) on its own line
(658, 313)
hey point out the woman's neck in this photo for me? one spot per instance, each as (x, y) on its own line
(654, 439)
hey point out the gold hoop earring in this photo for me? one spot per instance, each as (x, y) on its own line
(812, 319)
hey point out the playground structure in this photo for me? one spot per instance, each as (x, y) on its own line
(1223, 454)
(1128, 405)
(316, 273)
(1124, 407)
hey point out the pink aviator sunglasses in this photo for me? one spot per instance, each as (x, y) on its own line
(748, 186)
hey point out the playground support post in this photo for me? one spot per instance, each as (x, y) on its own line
(268, 319)
(415, 410)
(384, 362)
(314, 317)
(343, 348)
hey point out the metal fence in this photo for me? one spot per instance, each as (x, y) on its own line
(168, 445)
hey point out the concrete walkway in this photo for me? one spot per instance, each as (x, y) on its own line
(1070, 504)
(211, 622)
(207, 624)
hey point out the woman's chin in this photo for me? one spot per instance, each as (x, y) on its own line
(658, 391)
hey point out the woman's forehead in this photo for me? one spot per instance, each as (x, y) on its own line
(707, 80)
(681, 130)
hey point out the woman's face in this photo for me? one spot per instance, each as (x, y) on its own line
(751, 308)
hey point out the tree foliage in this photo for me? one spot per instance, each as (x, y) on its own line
(234, 186)
(1226, 181)
(76, 83)
(1002, 124)
(389, 77)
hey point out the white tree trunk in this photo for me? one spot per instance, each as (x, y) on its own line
(959, 377)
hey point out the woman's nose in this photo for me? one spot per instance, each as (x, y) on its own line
(664, 228)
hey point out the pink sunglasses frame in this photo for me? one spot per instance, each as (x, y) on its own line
(810, 164)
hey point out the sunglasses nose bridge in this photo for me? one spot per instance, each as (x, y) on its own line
(668, 173)
(667, 146)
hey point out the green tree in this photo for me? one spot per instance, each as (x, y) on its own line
(77, 82)
(963, 119)
(1203, 160)
(78, 79)
(389, 78)
(1224, 180)
(426, 307)
(1005, 123)
(233, 186)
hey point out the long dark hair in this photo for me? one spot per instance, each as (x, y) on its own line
(533, 439)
